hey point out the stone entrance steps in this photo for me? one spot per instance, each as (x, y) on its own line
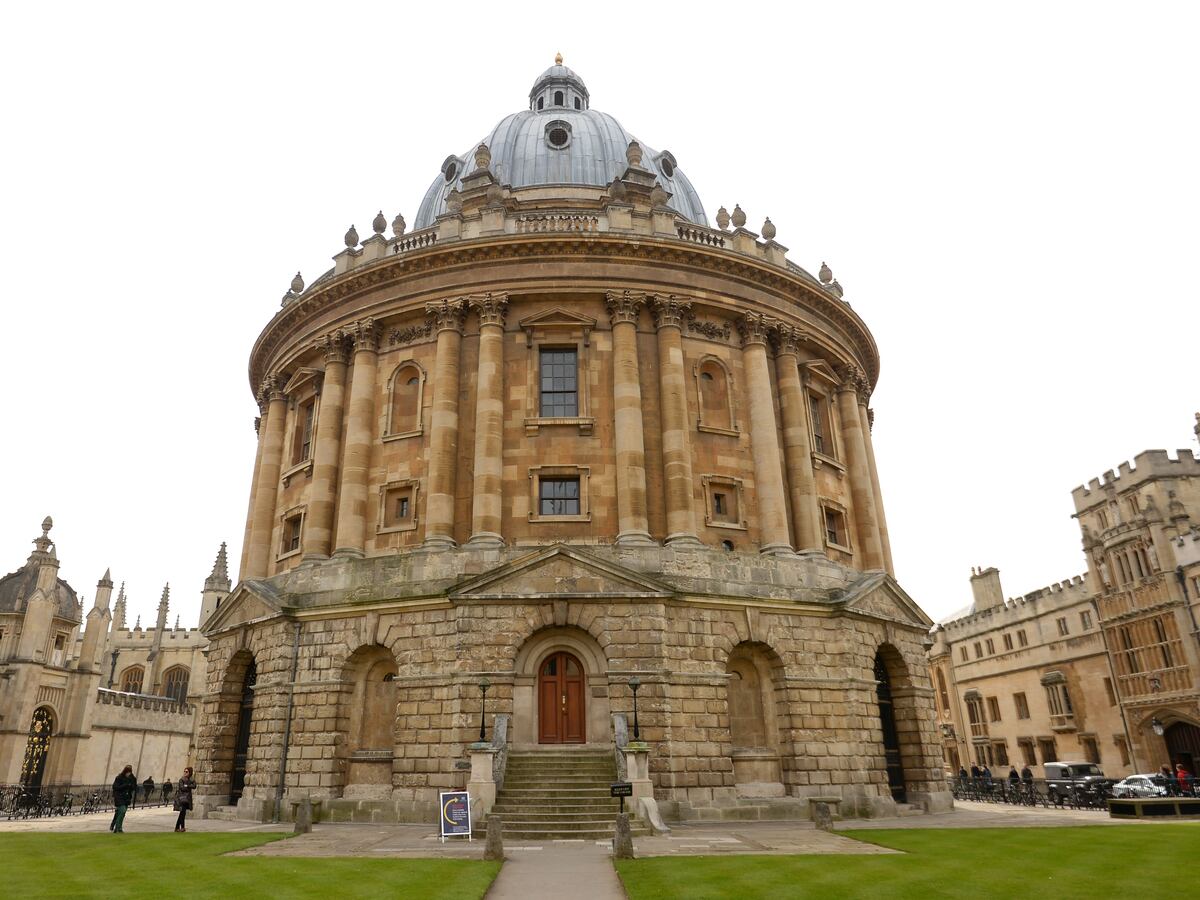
(907, 809)
(560, 795)
(224, 813)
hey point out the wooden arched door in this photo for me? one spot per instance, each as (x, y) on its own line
(561, 700)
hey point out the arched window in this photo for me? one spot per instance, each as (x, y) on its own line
(541, 102)
(714, 397)
(407, 393)
(131, 679)
(175, 683)
(578, 103)
(558, 98)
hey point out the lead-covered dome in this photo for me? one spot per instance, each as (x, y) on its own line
(560, 139)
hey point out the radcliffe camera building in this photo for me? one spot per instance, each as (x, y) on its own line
(1104, 667)
(562, 438)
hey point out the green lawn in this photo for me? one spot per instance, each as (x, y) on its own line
(162, 866)
(1143, 861)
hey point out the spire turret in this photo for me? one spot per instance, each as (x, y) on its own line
(219, 579)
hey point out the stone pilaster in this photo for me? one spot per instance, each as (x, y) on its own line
(885, 543)
(632, 524)
(318, 525)
(266, 485)
(797, 443)
(669, 313)
(360, 433)
(258, 434)
(447, 317)
(870, 553)
(764, 436)
(487, 504)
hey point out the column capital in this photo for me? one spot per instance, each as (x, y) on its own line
(270, 389)
(624, 306)
(788, 339)
(446, 315)
(670, 311)
(334, 346)
(755, 328)
(853, 379)
(492, 308)
(257, 425)
(364, 333)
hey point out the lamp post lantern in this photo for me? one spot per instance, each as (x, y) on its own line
(112, 671)
(634, 684)
(483, 689)
(1157, 726)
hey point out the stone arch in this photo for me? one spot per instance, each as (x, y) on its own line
(1180, 740)
(222, 720)
(756, 703)
(540, 645)
(406, 395)
(369, 721)
(899, 723)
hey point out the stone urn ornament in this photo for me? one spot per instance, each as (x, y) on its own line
(768, 229)
(633, 154)
(739, 217)
(351, 238)
(723, 218)
(483, 157)
(398, 225)
(658, 197)
(297, 284)
(380, 223)
(826, 274)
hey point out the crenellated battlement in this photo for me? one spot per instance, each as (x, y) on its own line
(1149, 464)
(1058, 595)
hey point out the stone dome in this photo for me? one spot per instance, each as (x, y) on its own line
(560, 139)
(17, 586)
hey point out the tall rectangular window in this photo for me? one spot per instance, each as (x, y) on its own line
(1063, 630)
(1022, 705)
(1085, 620)
(835, 528)
(1049, 752)
(978, 649)
(991, 647)
(302, 440)
(559, 496)
(1021, 638)
(559, 373)
(993, 708)
(1026, 745)
(962, 652)
(1108, 689)
(1008, 644)
(1091, 752)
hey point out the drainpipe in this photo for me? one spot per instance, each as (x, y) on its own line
(287, 724)
(1116, 686)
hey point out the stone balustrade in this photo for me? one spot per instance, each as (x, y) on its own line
(149, 702)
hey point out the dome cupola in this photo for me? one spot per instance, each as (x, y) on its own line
(558, 88)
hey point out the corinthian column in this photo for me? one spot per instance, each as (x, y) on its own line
(360, 430)
(797, 446)
(318, 523)
(258, 434)
(266, 486)
(632, 525)
(861, 493)
(865, 416)
(487, 508)
(443, 431)
(676, 439)
(764, 437)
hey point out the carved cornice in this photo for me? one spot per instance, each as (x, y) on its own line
(755, 328)
(447, 315)
(413, 333)
(609, 249)
(788, 339)
(365, 334)
(334, 346)
(492, 308)
(624, 306)
(670, 311)
(717, 331)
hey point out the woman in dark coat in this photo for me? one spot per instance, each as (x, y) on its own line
(124, 788)
(183, 797)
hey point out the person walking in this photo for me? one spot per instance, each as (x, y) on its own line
(1167, 779)
(147, 789)
(124, 789)
(183, 798)
(166, 790)
(1182, 776)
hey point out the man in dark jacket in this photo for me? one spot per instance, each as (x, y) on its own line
(124, 789)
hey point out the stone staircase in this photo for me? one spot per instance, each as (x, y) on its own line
(908, 809)
(560, 794)
(224, 813)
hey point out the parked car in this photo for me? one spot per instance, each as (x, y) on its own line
(1139, 786)
(1082, 777)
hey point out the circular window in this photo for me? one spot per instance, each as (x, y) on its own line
(450, 171)
(559, 137)
(667, 168)
(558, 134)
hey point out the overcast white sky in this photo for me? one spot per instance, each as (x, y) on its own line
(1009, 196)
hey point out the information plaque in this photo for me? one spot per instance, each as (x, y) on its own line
(455, 814)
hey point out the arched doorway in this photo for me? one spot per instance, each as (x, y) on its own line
(561, 700)
(1183, 745)
(37, 747)
(241, 746)
(753, 720)
(891, 736)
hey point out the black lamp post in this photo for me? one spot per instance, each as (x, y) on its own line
(483, 689)
(634, 684)
(112, 672)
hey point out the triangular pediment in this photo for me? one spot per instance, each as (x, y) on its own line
(249, 602)
(822, 370)
(563, 573)
(302, 377)
(558, 317)
(879, 596)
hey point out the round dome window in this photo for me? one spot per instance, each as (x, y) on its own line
(558, 135)
(666, 164)
(450, 171)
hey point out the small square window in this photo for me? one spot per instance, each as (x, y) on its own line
(558, 496)
(723, 502)
(398, 509)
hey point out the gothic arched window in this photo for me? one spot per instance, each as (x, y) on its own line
(132, 678)
(175, 683)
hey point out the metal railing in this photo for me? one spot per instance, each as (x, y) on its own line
(18, 801)
(1027, 793)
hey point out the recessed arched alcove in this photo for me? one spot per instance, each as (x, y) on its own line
(754, 671)
(547, 656)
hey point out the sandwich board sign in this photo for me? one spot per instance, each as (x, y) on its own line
(455, 814)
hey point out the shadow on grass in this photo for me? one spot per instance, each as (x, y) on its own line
(191, 865)
(1149, 861)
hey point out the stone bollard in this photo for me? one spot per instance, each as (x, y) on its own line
(495, 839)
(821, 816)
(623, 838)
(303, 816)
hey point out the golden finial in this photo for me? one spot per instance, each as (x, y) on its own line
(558, 59)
